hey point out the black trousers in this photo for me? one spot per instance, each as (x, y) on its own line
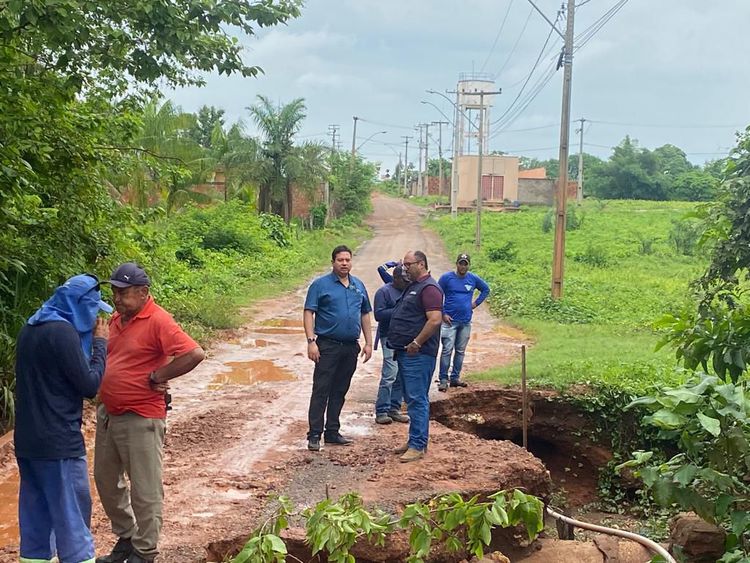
(331, 380)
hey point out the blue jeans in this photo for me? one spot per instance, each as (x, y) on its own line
(416, 372)
(390, 391)
(454, 337)
(54, 510)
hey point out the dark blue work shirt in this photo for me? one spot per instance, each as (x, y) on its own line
(338, 309)
(52, 378)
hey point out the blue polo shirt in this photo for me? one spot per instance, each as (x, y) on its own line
(338, 309)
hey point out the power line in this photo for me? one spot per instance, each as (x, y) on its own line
(497, 36)
(585, 36)
(518, 40)
(533, 69)
(384, 124)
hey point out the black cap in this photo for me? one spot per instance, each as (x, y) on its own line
(463, 258)
(129, 274)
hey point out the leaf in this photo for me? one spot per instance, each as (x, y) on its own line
(277, 544)
(710, 424)
(666, 419)
(685, 475)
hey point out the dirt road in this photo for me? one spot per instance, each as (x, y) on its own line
(237, 431)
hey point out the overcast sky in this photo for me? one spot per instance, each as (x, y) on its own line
(662, 71)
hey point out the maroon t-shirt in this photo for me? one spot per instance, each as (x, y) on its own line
(432, 297)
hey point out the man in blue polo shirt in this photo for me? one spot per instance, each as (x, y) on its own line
(337, 309)
(458, 309)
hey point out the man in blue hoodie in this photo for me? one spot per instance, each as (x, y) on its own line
(60, 358)
(458, 309)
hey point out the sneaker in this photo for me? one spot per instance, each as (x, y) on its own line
(401, 450)
(443, 386)
(459, 383)
(313, 444)
(398, 416)
(120, 552)
(411, 454)
(337, 440)
(383, 419)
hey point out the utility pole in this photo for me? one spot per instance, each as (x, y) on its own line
(454, 165)
(579, 191)
(354, 136)
(426, 179)
(440, 152)
(558, 261)
(334, 129)
(482, 94)
(406, 163)
(419, 168)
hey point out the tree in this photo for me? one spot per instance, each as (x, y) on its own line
(672, 160)
(278, 125)
(206, 121)
(631, 173)
(119, 45)
(694, 185)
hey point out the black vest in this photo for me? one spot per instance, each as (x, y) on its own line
(409, 317)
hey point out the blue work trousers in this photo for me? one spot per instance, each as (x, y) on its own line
(416, 372)
(454, 338)
(54, 510)
(390, 391)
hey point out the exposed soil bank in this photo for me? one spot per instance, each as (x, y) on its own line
(556, 432)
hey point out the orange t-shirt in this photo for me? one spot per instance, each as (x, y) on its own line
(143, 345)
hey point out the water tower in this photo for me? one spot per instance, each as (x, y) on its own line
(470, 106)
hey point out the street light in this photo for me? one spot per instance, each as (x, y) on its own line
(450, 121)
(370, 137)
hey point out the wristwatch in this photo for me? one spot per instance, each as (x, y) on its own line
(310, 340)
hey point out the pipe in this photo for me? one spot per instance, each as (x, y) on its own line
(644, 541)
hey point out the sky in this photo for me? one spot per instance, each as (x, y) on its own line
(661, 71)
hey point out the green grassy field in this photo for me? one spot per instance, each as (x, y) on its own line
(623, 270)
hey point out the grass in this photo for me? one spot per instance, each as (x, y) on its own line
(621, 274)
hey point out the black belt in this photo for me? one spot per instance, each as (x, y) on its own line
(339, 342)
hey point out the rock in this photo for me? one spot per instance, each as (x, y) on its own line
(699, 540)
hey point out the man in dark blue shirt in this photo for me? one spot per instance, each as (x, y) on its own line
(60, 359)
(337, 309)
(390, 391)
(458, 309)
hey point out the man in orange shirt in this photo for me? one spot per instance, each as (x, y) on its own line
(130, 422)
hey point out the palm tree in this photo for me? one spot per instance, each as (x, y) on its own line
(277, 125)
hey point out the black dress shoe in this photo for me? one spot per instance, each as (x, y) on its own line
(337, 440)
(459, 383)
(313, 443)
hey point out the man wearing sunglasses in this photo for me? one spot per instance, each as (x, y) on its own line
(60, 357)
(130, 423)
(413, 335)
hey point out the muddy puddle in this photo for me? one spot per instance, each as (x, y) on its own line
(287, 323)
(250, 373)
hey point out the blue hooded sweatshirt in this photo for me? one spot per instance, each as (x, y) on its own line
(58, 363)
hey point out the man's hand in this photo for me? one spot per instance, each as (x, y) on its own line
(312, 351)
(101, 328)
(412, 348)
(156, 385)
(391, 264)
(366, 353)
(447, 319)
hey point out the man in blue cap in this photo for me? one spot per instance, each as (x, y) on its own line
(60, 358)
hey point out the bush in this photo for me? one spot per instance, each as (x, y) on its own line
(573, 220)
(684, 236)
(504, 253)
(594, 256)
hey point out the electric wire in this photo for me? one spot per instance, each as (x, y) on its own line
(383, 124)
(586, 35)
(518, 40)
(533, 69)
(497, 36)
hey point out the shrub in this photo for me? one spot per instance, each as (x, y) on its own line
(684, 236)
(594, 256)
(504, 253)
